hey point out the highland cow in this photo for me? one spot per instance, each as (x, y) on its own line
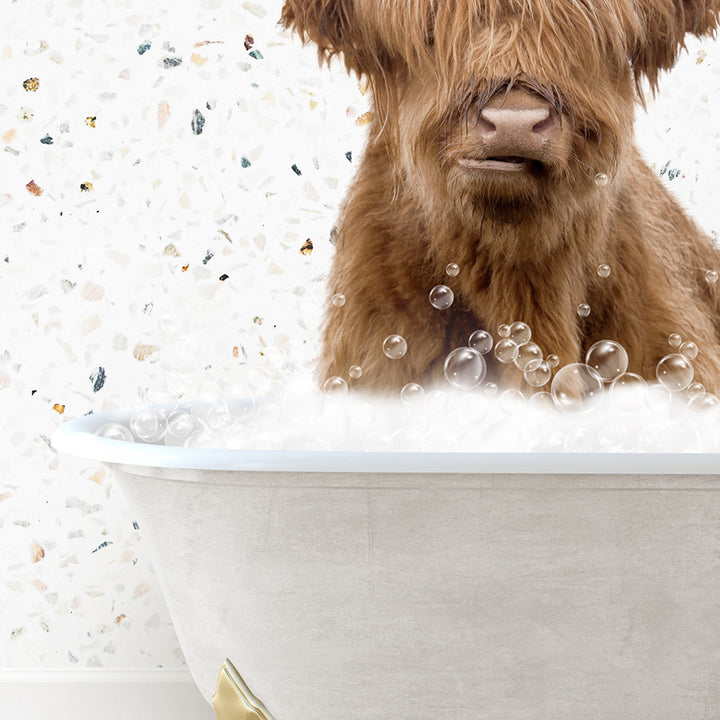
(502, 141)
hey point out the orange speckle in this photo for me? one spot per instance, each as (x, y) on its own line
(120, 618)
(199, 60)
(10, 135)
(163, 113)
(140, 590)
(98, 477)
(34, 189)
(37, 552)
(31, 84)
(307, 247)
(58, 408)
(364, 119)
(142, 352)
(185, 268)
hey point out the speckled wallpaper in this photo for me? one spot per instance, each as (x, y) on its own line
(169, 180)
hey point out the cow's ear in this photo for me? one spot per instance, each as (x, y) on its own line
(664, 26)
(333, 27)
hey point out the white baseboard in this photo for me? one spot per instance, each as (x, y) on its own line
(100, 694)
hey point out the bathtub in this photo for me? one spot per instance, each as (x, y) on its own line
(431, 586)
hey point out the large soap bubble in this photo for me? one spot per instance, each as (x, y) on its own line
(464, 368)
(674, 372)
(608, 358)
(576, 388)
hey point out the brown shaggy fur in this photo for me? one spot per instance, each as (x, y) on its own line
(528, 244)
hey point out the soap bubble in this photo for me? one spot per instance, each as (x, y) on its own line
(145, 424)
(506, 350)
(490, 389)
(441, 297)
(268, 414)
(689, 350)
(202, 438)
(608, 358)
(412, 394)
(552, 360)
(394, 346)
(576, 388)
(114, 431)
(657, 397)
(601, 179)
(711, 277)
(355, 372)
(237, 437)
(674, 339)
(464, 368)
(452, 269)
(335, 386)
(583, 310)
(504, 330)
(520, 333)
(179, 425)
(527, 353)
(338, 300)
(541, 401)
(537, 373)
(674, 372)
(695, 390)
(219, 417)
(511, 401)
(702, 403)
(603, 270)
(481, 341)
(627, 390)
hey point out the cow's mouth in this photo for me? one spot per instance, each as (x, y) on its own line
(502, 163)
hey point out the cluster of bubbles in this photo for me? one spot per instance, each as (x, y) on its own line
(595, 405)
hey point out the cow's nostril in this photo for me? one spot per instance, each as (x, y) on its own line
(547, 124)
(484, 125)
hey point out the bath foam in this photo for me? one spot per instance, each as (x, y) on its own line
(647, 420)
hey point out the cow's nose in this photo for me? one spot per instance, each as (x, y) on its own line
(516, 122)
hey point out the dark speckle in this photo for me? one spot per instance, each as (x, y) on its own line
(135, 525)
(224, 277)
(348, 155)
(208, 257)
(47, 140)
(244, 162)
(255, 54)
(296, 170)
(198, 122)
(170, 62)
(144, 47)
(98, 379)
(102, 545)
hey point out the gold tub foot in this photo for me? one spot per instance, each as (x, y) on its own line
(233, 700)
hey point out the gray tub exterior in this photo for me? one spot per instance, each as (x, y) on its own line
(428, 587)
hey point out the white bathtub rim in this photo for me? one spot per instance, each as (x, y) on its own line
(77, 437)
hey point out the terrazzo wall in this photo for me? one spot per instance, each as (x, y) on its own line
(169, 181)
